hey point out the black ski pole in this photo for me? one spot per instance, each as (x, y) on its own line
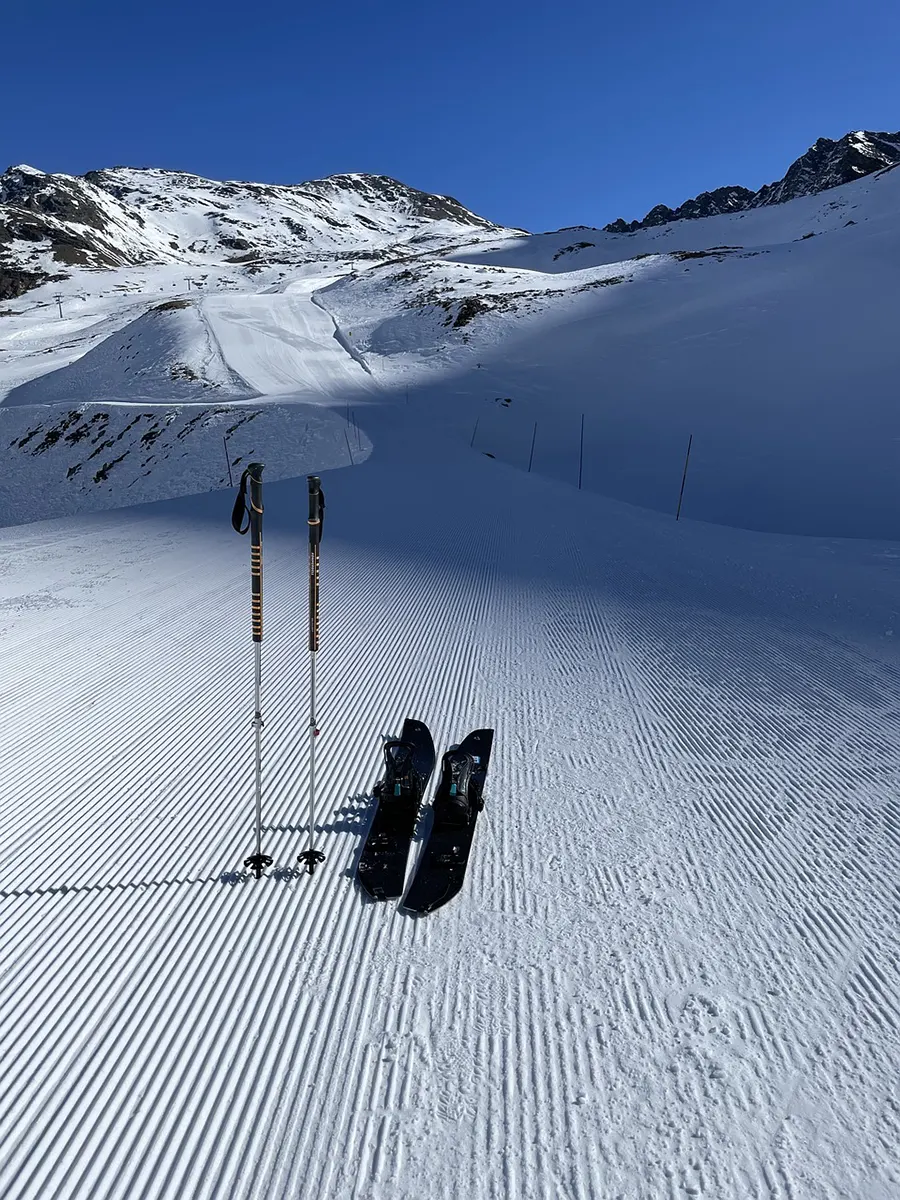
(687, 459)
(256, 862)
(228, 463)
(310, 856)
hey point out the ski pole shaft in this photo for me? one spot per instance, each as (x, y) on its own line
(311, 856)
(687, 459)
(252, 476)
(313, 733)
(257, 726)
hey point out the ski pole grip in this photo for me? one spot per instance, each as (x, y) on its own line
(316, 509)
(254, 472)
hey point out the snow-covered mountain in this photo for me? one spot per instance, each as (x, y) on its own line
(747, 329)
(123, 216)
(826, 164)
(127, 217)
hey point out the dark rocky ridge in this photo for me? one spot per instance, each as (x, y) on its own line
(707, 204)
(68, 216)
(54, 196)
(825, 165)
(410, 200)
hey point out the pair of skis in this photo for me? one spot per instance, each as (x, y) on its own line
(441, 868)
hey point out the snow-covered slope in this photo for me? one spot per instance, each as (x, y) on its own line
(342, 212)
(286, 343)
(166, 353)
(870, 200)
(767, 336)
(674, 967)
(221, 346)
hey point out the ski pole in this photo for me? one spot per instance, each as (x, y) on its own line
(311, 857)
(256, 862)
(687, 459)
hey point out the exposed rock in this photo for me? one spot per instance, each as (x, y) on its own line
(409, 199)
(15, 282)
(573, 249)
(825, 165)
(707, 204)
(125, 216)
(59, 196)
(828, 164)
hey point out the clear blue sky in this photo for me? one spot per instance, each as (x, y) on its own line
(535, 114)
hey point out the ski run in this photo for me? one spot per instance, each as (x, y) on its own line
(671, 966)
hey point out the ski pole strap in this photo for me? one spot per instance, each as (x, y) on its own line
(240, 507)
(254, 474)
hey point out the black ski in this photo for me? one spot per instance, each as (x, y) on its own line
(457, 803)
(408, 763)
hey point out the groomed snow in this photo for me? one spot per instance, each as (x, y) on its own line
(673, 966)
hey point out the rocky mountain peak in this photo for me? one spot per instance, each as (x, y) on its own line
(382, 188)
(125, 216)
(61, 197)
(826, 164)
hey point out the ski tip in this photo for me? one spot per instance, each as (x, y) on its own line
(479, 741)
(411, 726)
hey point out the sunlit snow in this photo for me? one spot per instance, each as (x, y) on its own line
(674, 966)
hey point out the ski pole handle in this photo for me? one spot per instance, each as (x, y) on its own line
(316, 517)
(255, 471)
(316, 509)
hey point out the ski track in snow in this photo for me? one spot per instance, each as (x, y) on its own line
(673, 968)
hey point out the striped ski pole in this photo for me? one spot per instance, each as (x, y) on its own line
(256, 862)
(312, 857)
